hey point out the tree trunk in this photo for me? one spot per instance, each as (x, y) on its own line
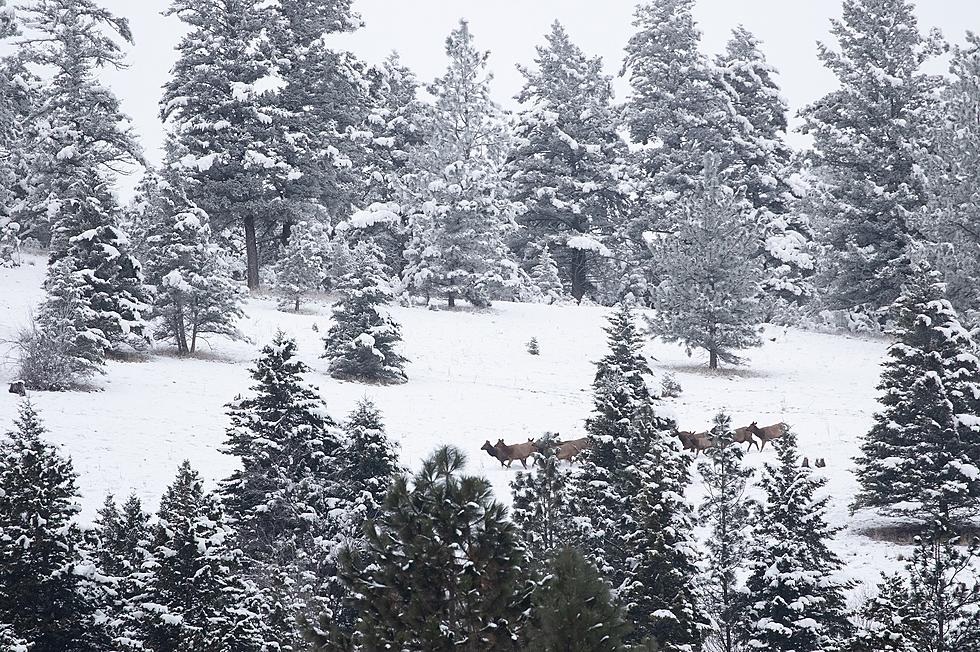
(451, 298)
(251, 253)
(179, 330)
(296, 308)
(287, 227)
(712, 359)
(578, 266)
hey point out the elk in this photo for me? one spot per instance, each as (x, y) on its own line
(743, 435)
(769, 433)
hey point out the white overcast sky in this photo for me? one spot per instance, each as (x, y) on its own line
(510, 29)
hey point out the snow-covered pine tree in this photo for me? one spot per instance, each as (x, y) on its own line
(540, 507)
(361, 342)
(301, 268)
(869, 139)
(764, 165)
(662, 600)
(440, 569)
(196, 599)
(81, 133)
(565, 162)
(726, 512)
(459, 216)
(708, 298)
(224, 120)
(195, 294)
(17, 105)
(792, 602)
(546, 278)
(952, 219)
(61, 349)
(283, 497)
(933, 607)
(369, 460)
(122, 548)
(572, 610)
(50, 593)
(920, 460)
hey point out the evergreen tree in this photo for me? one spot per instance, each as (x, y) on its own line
(764, 166)
(122, 552)
(302, 267)
(793, 602)
(546, 279)
(50, 596)
(226, 126)
(195, 295)
(196, 600)
(565, 162)
(80, 134)
(289, 487)
(360, 344)
(572, 610)
(440, 569)
(370, 464)
(708, 298)
(662, 602)
(540, 507)
(920, 459)
(933, 606)
(458, 215)
(726, 512)
(61, 350)
(869, 136)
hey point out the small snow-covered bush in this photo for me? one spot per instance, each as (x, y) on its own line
(669, 387)
(532, 346)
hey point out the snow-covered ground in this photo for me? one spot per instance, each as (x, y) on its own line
(471, 380)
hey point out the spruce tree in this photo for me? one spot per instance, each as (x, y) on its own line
(869, 137)
(440, 569)
(934, 606)
(226, 127)
(196, 599)
(459, 217)
(572, 610)
(793, 603)
(921, 458)
(361, 342)
(546, 279)
(290, 485)
(369, 456)
(726, 512)
(663, 602)
(302, 268)
(195, 295)
(61, 350)
(564, 164)
(709, 296)
(540, 507)
(764, 166)
(50, 594)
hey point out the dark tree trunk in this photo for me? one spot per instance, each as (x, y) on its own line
(712, 359)
(287, 228)
(251, 253)
(451, 298)
(578, 272)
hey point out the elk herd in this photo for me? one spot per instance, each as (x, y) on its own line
(697, 442)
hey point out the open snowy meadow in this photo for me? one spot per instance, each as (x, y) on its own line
(470, 380)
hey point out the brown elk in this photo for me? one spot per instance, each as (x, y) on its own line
(696, 441)
(507, 453)
(743, 435)
(567, 451)
(769, 433)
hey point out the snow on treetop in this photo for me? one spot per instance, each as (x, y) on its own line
(587, 243)
(376, 213)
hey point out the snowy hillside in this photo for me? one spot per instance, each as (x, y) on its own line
(470, 380)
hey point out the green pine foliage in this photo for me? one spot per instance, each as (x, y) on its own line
(51, 596)
(727, 513)
(302, 267)
(369, 460)
(920, 459)
(196, 599)
(361, 342)
(663, 602)
(540, 508)
(793, 602)
(869, 136)
(439, 570)
(572, 609)
(709, 296)
(546, 278)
